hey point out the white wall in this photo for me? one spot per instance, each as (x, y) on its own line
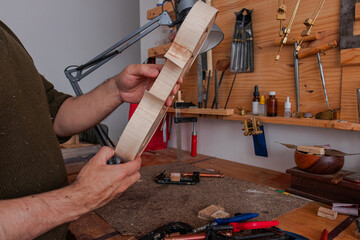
(61, 33)
(224, 139)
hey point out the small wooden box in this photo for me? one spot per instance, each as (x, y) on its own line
(320, 188)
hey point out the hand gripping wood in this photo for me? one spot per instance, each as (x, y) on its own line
(179, 59)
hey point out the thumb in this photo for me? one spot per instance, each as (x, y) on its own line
(103, 155)
(149, 70)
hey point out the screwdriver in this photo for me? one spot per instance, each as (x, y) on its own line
(194, 141)
(221, 221)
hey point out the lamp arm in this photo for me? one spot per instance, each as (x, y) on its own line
(76, 73)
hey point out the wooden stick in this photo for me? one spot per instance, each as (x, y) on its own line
(318, 49)
(291, 40)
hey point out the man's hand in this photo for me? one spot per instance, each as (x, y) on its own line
(135, 79)
(81, 113)
(101, 183)
(96, 184)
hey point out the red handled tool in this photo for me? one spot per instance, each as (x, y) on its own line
(324, 235)
(194, 141)
(237, 227)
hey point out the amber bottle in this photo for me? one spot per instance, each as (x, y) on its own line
(271, 105)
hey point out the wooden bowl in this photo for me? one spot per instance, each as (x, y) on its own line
(318, 164)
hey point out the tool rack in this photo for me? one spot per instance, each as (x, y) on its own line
(270, 75)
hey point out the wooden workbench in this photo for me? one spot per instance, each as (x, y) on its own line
(303, 220)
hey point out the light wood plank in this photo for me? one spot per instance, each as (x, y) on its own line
(350, 56)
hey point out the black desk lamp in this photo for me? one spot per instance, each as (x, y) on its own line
(76, 73)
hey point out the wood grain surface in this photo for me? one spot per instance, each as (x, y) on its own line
(269, 74)
(303, 220)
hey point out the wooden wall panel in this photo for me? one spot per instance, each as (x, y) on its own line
(269, 74)
(350, 83)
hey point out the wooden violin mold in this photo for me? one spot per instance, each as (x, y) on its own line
(179, 58)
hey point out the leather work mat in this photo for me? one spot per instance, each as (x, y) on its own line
(147, 205)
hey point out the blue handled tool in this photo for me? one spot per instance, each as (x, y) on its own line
(222, 221)
(237, 218)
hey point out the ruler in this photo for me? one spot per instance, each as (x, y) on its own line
(341, 227)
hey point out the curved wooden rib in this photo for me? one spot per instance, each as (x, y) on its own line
(180, 57)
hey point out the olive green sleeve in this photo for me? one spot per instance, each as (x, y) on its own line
(55, 99)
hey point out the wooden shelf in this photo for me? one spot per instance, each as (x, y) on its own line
(205, 111)
(154, 12)
(306, 122)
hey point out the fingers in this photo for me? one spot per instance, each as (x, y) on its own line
(147, 70)
(175, 89)
(103, 155)
(132, 166)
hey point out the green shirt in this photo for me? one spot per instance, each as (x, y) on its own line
(30, 158)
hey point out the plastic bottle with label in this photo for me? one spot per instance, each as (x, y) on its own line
(262, 106)
(287, 111)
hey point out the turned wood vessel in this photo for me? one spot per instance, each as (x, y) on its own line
(318, 164)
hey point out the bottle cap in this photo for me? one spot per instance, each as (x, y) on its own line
(256, 91)
(262, 99)
(287, 103)
(272, 93)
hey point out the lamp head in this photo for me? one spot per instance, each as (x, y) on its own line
(215, 36)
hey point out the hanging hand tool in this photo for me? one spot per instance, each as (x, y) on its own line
(287, 30)
(178, 119)
(281, 15)
(310, 22)
(297, 82)
(217, 85)
(194, 141)
(221, 65)
(232, 85)
(317, 51)
(207, 89)
(200, 85)
(291, 40)
(221, 221)
(323, 79)
(256, 130)
(242, 48)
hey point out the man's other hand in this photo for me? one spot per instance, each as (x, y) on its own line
(100, 183)
(135, 79)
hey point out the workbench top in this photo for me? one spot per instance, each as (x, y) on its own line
(302, 220)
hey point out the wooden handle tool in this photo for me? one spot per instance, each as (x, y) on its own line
(318, 49)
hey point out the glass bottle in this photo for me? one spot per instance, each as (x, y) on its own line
(272, 105)
(255, 101)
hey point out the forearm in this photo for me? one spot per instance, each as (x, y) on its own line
(81, 113)
(29, 217)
